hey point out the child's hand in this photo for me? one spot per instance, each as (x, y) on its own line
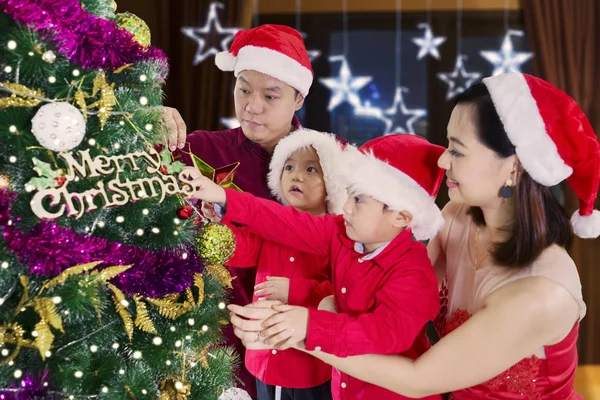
(208, 209)
(204, 188)
(275, 288)
(328, 304)
(287, 328)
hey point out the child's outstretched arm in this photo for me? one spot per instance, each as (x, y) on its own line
(247, 248)
(268, 219)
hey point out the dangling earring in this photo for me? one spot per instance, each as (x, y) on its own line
(506, 191)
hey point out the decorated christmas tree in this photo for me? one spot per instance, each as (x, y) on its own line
(103, 291)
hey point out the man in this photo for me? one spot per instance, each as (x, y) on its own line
(274, 75)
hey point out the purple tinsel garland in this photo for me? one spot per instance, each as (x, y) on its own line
(30, 387)
(48, 249)
(83, 38)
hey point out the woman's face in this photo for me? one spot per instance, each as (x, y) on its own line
(474, 172)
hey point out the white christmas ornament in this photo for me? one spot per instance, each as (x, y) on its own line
(458, 80)
(235, 394)
(58, 126)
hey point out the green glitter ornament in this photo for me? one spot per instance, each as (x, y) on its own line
(215, 244)
(136, 26)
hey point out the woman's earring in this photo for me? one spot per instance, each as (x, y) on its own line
(506, 191)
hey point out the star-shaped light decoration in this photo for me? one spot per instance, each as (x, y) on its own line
(230, 123)
(397, 118)
(211, 30)
(428, 43)
(345, 86)
(313, 54)
(458, 80)
(507, 60)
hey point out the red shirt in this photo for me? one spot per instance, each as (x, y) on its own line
(310, 277)
(384, 303)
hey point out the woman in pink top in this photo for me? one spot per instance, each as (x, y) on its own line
(513, 303)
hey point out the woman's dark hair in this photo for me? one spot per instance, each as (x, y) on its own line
(539, 220)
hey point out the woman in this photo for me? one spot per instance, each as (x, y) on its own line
(514, 301)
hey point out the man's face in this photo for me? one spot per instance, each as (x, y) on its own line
(265, 107)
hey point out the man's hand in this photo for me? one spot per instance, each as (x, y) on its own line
(176, 129)
(208, 209)
(204, 189)
(285, 329)
(275, 288)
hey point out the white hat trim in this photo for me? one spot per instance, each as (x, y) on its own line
(269, 62)
(526, 129)
(368, 175)
(330, 154)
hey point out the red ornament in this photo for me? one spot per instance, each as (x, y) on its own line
(185, 212)
(163, 170)
(60, 180)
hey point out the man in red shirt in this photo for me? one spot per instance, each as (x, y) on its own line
(385, 288)
(274, 75)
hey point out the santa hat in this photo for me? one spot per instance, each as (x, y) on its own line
(274, 50)
(329, 150)
(400, 171)
(553, 139)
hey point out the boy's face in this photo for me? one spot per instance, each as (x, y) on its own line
(265, 107)
(302, 182)
(370, 222)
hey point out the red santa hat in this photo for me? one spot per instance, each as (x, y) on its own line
(553, 139)
(274, 50)
(329, 150)
(400, 171)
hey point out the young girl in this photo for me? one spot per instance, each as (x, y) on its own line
(303, 174)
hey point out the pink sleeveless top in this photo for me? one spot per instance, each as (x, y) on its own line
(547, 375)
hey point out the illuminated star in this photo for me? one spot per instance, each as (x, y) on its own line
(212, 29)
(507, 60)
(458, 80)
(345, 86)
(428, 43)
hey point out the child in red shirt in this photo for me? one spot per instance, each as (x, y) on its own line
(304, 173)
(385, 287)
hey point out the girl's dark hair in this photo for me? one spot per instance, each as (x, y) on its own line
(539, 220)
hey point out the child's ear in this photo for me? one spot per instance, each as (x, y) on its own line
(402, 219)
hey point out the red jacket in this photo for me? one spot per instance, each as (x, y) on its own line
(384, 303)
(310, 277)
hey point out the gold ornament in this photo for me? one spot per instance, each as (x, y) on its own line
(49, 57)
(44, 338)
(199, 283)
(136, 26)
(21, 96)
(169, 308)
(215, 243)
(105, 104)
(221, 274)
(119, 300)
(113, 4)
(142, 318)
(67, 273)
(174, 389)
(46, 309)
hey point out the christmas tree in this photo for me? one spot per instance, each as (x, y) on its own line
(102, 292)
